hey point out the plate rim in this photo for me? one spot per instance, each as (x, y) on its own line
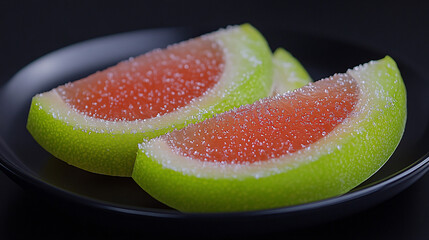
(420, 166)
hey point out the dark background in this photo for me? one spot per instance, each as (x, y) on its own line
(31, 29)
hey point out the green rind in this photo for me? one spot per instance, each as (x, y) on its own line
(104, 153)
(113, 152)
(289, 74)
(330, 168)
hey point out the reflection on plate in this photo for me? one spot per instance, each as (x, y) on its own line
(122, 201)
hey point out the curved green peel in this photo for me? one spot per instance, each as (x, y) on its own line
(330, 167)
(289, 74)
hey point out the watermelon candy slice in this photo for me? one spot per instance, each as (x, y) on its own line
(97, 122)
(288, 72)
(316, 142)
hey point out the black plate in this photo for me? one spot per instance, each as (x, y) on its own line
(121, 201)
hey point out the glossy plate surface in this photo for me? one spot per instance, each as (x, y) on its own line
(121, 201)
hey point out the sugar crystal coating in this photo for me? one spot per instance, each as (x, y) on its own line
(271, 127)
(149, 85)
